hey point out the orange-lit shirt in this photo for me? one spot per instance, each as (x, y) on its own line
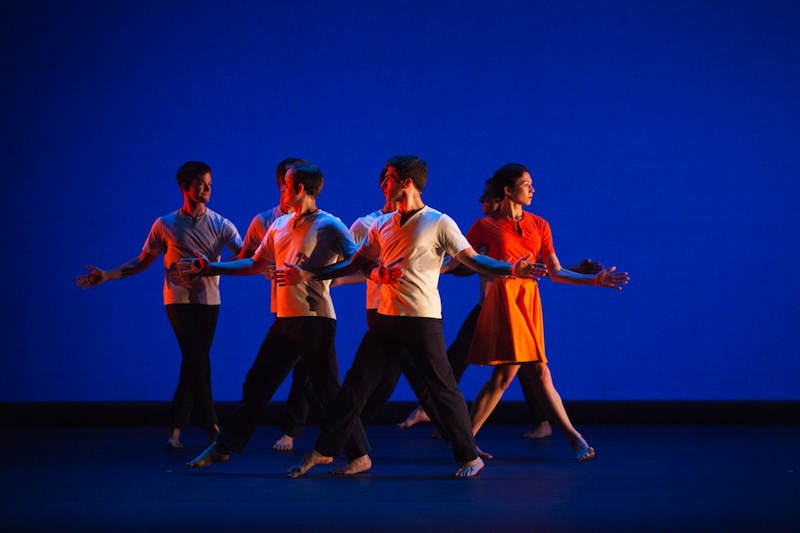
(497, 236)
(252, 240)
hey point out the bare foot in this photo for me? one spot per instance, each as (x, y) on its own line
(284, 444)
(174, 440)
(312, 459)
(357, 465)
(542, 431)
(209, 456)
(484, 455)
(470, 468)
(583, 452)
(585, 455)
(417, 416)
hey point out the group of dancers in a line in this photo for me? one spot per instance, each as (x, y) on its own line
(400, 251)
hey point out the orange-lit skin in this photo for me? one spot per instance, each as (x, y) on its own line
(515, 197)
(196, 196)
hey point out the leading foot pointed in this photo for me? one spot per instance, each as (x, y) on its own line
(312, 459)
(209, 456)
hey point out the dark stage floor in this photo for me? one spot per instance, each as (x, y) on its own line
(644, 478)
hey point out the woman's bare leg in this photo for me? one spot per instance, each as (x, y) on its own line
(490, 394)
(551, 402)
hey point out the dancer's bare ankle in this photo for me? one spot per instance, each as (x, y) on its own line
(354, 466)
(470, 468)
(211, 455)
(314, 458)
(284, 444)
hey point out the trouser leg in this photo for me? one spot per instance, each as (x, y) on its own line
(369, 366)
(275, 359)
(425, 352)
(527, 375)
(194, 326)
(299, 403)
(457, 351)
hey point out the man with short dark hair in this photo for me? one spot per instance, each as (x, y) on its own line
(192, 308)
(301, 395)
(306, 321)
(408, 246)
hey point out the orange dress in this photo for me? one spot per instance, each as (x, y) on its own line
(510, 328)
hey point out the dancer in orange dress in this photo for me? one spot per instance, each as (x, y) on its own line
(510, 328)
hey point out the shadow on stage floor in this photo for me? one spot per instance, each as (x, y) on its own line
(645, 478)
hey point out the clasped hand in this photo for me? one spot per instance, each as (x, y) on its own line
(291, 274)
(187, 270)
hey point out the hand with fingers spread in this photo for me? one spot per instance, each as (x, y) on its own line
(291, 274)
(611, 280)
(92, 279)
(526, 269)
(179, 277)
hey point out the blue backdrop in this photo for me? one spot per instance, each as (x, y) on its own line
(662, 138)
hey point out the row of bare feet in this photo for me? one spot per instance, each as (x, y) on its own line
(360, 464)
(212, 455)
(419, 416)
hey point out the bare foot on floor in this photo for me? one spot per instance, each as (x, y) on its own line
(484, 455)
(209, 456)
(583, 452)
(542, 431)
(312, 459)
(284, 444)
(357, 465)
(417, 416)
(585, 455)
(174, 439)
(470, 468)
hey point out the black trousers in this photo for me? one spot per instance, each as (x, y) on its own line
(288, 341)
(303, 400)
(417, 346)
(194, 326)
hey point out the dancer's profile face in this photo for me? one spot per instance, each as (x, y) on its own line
(523, 190)
(200, 189)
(289, 195)
(391, 185)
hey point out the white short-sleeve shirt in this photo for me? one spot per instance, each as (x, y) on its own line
(420, 244)
(255, 234)
(178, 235)
(359, 230)
(314, 240)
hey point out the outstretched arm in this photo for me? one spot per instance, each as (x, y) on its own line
(451, 265)
(96, 276)
(201, 266)
(607, 278)
(294, 275)
(587, 266)
(486, 265)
